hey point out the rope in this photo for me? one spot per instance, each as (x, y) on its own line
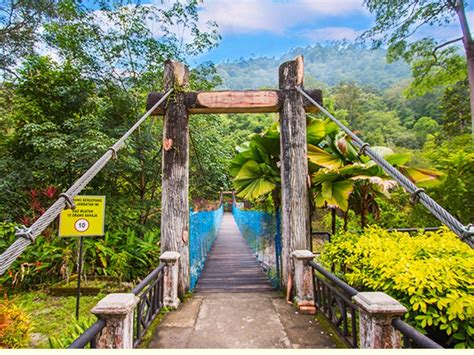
(466, 233)
(28, 235)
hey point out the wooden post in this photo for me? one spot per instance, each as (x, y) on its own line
(175, 180)
(294, 167)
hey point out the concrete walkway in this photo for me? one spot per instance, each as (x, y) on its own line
(234, 307)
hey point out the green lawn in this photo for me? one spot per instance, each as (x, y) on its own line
(54, 316)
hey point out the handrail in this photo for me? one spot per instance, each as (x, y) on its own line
(89, 336)
(348, 289)
(137, 289)
(414, 335)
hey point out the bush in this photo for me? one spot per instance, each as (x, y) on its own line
(430, 273)
(121, 254)
(15, 326)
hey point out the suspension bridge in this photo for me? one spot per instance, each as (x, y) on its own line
(216, 261)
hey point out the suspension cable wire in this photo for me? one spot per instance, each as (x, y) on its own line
(28, 235)
(466, 233)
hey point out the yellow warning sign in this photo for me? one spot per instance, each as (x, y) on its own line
(86, 220)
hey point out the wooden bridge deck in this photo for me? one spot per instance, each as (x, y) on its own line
(231, 265)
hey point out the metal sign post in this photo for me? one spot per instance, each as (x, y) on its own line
(85, 220)
(79, 273)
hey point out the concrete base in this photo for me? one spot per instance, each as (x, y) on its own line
(239, 321)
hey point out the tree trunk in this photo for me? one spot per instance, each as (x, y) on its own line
(175, 180)
(294, 166)
(469, 48)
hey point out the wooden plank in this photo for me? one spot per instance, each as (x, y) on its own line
(231, 266)
(246, 101)
(294, 166)
(175, 180)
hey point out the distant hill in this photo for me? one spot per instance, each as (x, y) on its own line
(329, 64)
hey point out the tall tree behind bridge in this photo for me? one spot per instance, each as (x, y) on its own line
(433, 63)
(20, 22)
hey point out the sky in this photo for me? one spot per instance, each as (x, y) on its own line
(255, 28)
(272, 27)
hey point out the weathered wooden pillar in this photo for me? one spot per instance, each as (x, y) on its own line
(294, 166)
(377, 311)
(175, 180)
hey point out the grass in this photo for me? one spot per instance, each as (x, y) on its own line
(53, 316)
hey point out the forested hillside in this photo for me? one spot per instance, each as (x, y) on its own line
(329, 64)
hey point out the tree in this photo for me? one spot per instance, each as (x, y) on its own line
(424, 127)
(63, 114)
(455, 108)
(433, 63)
(20, 23)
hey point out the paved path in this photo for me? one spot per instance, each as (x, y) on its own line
(235, 307)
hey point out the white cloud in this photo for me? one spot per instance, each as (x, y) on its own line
(332, 34)
(247, 16)
(334, 7)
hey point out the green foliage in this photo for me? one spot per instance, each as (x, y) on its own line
(53, 316)
(433, 64)
(15, 326)
(455, 158)
(255, 166)
(120, 254)
(20, 23)
(71, 333)
(430, 273)
(456, 109)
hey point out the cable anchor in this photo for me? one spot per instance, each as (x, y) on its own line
(415, 195)
(114, 153)
(362, 148)
(24, 232)
(69, 201)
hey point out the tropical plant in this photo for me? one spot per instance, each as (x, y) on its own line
(340, 177)
(255, 167)
(344, 180)
(15, 326)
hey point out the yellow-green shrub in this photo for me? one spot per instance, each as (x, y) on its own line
(430, 273)
(15, 326)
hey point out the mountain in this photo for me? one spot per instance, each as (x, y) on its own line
(328, 64)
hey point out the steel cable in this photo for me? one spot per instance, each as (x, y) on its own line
(28, 235)
(464, 232)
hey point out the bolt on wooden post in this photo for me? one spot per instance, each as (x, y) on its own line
(175, 180)
(294, 165)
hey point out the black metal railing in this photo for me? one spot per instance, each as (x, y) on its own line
(412, 338)
(88, 338)
(333, 299)
(150, 292)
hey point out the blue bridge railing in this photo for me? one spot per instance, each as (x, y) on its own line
(261, 231)
(203, 227)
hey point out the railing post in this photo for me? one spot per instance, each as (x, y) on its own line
(170, 278)
(116, 309)
(377, 310)
(303, 281)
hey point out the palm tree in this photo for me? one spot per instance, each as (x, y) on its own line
(340, 178)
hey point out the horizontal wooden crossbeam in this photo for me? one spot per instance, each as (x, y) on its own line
(246, 101)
